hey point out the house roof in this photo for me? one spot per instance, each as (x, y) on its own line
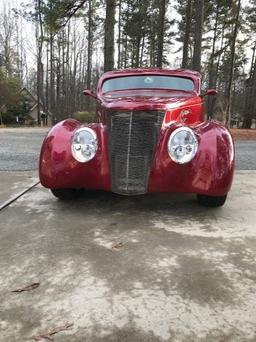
(25, 89)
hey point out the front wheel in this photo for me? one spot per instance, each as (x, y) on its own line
(211, 201)
(66, 194)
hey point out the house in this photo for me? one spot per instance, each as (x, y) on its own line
(34, 112)
(45, 118)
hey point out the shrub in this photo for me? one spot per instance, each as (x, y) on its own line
(85, 117)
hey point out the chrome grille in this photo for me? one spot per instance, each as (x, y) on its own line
(132, 140)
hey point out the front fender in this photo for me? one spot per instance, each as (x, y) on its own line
(210, 172)
(59, 169)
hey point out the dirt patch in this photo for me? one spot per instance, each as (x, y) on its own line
(243, 134)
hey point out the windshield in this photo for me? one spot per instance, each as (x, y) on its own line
(148, 82)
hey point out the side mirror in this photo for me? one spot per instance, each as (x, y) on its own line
(211, 92)
(88, 92)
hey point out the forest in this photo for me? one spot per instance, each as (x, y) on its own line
(55, 49)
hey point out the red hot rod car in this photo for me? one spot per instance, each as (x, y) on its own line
(150, 137)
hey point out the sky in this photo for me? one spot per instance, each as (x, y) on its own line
(29, 32)
(173, 56)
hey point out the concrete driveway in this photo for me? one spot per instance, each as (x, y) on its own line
(151, 268)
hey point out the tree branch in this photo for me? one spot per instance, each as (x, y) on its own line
(73, 11)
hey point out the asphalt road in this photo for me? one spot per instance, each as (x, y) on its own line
(19, 150)
(246, 155)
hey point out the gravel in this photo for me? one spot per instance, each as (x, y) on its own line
(20, 148)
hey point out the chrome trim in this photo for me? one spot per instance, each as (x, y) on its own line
(129, 152)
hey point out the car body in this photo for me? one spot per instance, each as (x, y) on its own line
(150, 137)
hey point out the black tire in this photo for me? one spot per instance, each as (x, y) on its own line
(66, 194)
(211, 201)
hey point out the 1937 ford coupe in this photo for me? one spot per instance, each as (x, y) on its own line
(150, 137)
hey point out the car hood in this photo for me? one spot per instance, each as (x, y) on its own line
(148, 100)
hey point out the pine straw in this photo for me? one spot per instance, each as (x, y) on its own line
(243, 134)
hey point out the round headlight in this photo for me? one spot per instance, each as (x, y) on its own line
(182, 145)
(84, 144)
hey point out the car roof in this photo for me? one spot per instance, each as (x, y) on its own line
(157, 71)
(194, 75)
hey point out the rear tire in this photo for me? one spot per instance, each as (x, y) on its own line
(66, 194)
(211, 201)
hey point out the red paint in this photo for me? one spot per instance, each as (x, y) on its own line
(210, 172)
(58, 168)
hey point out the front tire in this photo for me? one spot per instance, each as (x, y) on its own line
(211, 201)
(66, 194)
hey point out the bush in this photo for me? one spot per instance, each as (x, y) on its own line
(85, 117)
(20, 110)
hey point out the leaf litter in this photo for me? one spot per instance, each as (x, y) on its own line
(30, 287)
(48, 334)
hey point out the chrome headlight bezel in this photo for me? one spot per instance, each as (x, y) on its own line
(189, 149)
(87, 151)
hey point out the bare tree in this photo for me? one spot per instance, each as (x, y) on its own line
(109, 44)
(199, 20)
(40, 68)
(232, 63)
(186, 35)
(162, 10)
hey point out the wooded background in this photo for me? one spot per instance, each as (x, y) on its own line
(73, 42)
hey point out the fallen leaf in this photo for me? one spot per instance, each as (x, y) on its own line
(27, 288)
(117, 245)
(48, 334)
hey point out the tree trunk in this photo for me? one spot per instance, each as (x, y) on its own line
(249, 109)
(210, 100)
(199, 20)
(232, 64)
(184, 64)
(58, 80)
(89, 49)
(217, 78)
(137, 51)
(212, 58)
(119, 34)
(68, 67)
(125, 62)
(63, 73)
(109, 35)
(142, 50)
(47, 83)
(52, 92)
(39, 61)
(253, 104)
(160, 40)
